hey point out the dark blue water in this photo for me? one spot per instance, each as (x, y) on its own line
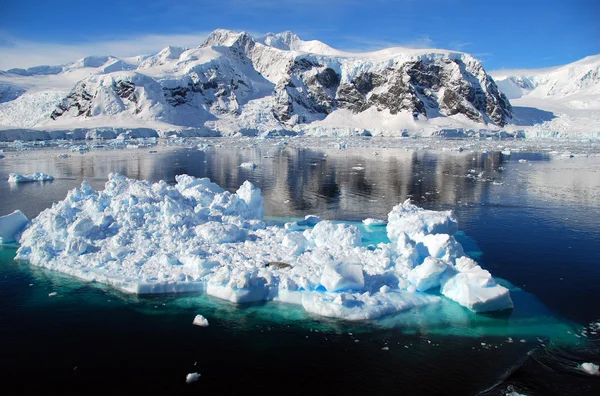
(535, 225)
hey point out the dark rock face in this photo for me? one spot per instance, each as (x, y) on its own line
(309, 92)
(125, 90)
(423, 88)
(79, 99)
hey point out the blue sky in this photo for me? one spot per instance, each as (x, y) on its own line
(505, 34)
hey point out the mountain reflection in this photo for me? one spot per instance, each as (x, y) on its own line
(347, 184)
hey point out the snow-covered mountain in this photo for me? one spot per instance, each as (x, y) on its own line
(235, 83)
(563, 100)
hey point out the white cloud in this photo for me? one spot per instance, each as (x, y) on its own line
(23, 53)
(360, 44)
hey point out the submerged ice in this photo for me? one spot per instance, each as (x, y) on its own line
(194, 236)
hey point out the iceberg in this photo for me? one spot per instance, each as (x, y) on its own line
(201, 321)
(19, 178)
(11, 225)
(590, 368)
(192, 377)
(194, 236)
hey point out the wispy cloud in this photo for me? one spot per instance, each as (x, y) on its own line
(483, 55)
(460, 46)
(360, 44)
(23, 53)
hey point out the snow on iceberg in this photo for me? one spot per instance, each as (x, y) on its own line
(19, 178)
(11, 225)
(194, 236)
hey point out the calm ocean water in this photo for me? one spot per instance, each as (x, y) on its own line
(535, 224)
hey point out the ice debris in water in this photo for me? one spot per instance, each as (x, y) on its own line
(19, 178)
(248, 165)
(196, 237)
(201, 321)
(192, 377)
(11, 225)
(590, 368)
(373, 222)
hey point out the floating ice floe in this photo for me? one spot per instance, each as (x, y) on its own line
(20, 178)
(201, 321)
(11, 225)
(192, 377)
(248, 165)
(373, 222)
(590, 368)
(196, 237)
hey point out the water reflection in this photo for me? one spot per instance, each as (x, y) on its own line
(338, 184)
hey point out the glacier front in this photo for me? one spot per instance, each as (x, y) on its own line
(194, 236)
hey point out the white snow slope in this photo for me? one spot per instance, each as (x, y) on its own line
(234, 83)
(557, 101)
(279, 84)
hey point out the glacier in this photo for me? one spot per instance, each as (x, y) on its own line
(146, 238)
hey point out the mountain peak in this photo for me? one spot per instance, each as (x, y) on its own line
(224, 37)
(284, 40)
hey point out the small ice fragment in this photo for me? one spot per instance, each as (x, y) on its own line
(590, 368)
(192, 377)
(384, 289)
(201, 321)
(52, 294)
(63, 155)
(522, 160)
(358, 168)
(373, 222)
(31, 284)
(309, 221)
(248, 165)
(385, 349)
(523, 340)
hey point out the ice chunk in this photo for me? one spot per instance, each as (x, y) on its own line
(24, 178)
(373, 222)
(411, 220)
(248, 165)
(192, 377)
(427, 275)
(11, 225)
(329, 234)
(474, 288)
(53, 294)
(590, 368)
(309, 221)
(343, 276)
(201, 321)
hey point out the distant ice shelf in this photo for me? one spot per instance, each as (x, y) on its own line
(196, 237)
